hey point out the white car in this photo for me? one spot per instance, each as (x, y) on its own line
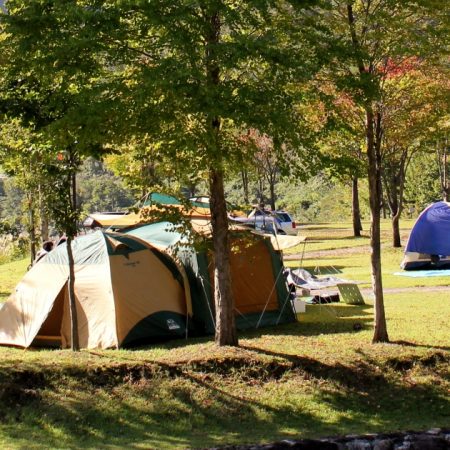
(279, 222)
(285, 223)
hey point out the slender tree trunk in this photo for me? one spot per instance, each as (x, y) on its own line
(441, 152)
(395, 213)
(383, 208)
(73, 187)
(44, 218)
(223, 294)
(191, 188)
(394, 181)
(75, 344)
(376, 198)
(44, 227)
(31, 228)
(356, 215)
(261, 190)
(445, 176)
(272, 195)
(244, 175)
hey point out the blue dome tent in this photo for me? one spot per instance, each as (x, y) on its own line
(428, 245)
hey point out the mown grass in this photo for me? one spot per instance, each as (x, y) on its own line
(10, 275)
(320, 376)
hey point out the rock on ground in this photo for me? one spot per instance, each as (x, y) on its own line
(434, 439)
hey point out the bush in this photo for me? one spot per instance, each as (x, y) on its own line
(13, 243)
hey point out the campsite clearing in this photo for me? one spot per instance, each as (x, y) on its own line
(318, 377)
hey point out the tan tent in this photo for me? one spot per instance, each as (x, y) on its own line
(126, 292)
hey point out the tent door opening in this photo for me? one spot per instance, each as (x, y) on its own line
(49, 334)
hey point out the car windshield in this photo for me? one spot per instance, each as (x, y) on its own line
(259, 212)
(283, 217)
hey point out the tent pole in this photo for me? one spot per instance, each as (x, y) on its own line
(303, 253)
(282, 309)
(268, 298)
(207, 302)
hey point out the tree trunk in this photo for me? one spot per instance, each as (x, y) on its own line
(44, 218)
(75, 344)
(396, 241)
(44, 227)
(32, 229)
(373, 149)
(244, 175)
(395, 213)
(441, 152)
(223, 294)
(192, 189)
(445, 188)
(261, 190)
(356, 216)
(394, 182)
(272, 195)
(376, 198)
(71, 232)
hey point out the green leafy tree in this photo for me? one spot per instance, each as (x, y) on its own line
(422, 185)
(98, 189)
(189, 75)
(20, 158)
(47, 101)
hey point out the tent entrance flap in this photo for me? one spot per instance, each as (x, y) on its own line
(50, 332)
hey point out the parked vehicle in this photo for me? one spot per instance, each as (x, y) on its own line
(273, 221)
(276, 222)
(285, 223)
(279, 222)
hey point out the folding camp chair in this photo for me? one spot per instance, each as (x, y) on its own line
(350, 293)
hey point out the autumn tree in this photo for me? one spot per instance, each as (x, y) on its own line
(377, 34)
(342, 145)
(415, 99)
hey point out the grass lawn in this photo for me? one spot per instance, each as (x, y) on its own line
(10, 274)
(318, 377)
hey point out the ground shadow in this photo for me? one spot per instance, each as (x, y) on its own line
(416, 345)
(347, 319)
(196, 406)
